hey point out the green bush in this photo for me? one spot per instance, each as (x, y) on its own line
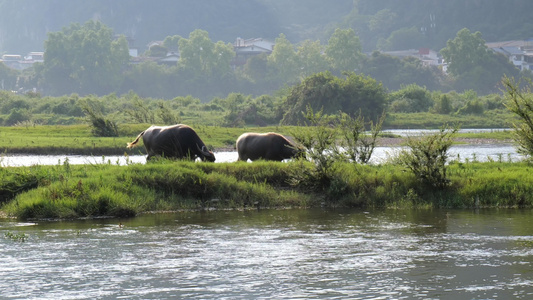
(426, 157)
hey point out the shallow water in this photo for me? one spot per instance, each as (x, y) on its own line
(273, 254)
(484, 152)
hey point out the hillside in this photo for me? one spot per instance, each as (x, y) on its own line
(385, 24)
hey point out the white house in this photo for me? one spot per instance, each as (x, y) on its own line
(519, 52)
(245, 49)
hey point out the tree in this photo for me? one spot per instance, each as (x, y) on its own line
(411, 98)
(311, 58)
(8, 78)
(84, 59)
(199, 56)
(465, 52)
(403, 38)
(395, 72)
(171, 42)
(283, 62)
(344, 50)
(324, 92)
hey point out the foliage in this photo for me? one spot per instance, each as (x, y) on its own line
(140, 112)
(344, 50)
(473, 64)
(320, 144)
(101, 126)
(358, 147)
(411, 98)
(354, 94)
(283, 62)
(84, 59)
(520, 103)
(395, 73)
(75, 191)
(311, 58)
(200, 57)
(8, 78)
(166, 115)
(427, 157)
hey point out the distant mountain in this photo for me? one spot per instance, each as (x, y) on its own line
(383, 24)
(24, 23)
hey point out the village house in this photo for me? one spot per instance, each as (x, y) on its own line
(244, 49)
(427, 56)
(519, 52)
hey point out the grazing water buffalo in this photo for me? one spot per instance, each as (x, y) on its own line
(267, 146)
(176, 141)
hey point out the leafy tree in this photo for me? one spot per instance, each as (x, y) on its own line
(465, 52)
(394, 72)
(8, 78)
(442, 105)
(383, 20)
(411, 98)
(146, 79)
(403, 38)
(84, 59)
(18, 115)
(311, 58)
(157, 51)
(201, 57)
(171, 42)
(354, 94)
(283, 61)
(256, 67)
(344, 50)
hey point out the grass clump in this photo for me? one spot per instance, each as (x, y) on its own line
(74, 191)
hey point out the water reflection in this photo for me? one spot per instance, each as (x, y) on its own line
(281, 254)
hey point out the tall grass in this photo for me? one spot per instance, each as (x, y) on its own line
(74, 191)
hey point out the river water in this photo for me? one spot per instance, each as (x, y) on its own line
(464, 152)
(483, 152)
(273, 254)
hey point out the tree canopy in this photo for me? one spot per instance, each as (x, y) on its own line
(84, 59)
(324, 92)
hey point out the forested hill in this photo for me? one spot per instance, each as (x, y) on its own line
(24, 23)
(383, 24)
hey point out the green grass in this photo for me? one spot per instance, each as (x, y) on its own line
(74, 191)
(77, 139)
(426, 120)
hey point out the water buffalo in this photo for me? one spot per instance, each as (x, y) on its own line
(267, 146)
(176, 141)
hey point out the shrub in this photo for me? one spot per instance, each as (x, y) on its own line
(358, 147)
(320, 145)
(100, 125)
(427, 156)
(521, 104)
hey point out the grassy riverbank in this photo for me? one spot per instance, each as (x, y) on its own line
(73, 191)
(77, 139)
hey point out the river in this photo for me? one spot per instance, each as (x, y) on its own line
(462, 152)
(273, 254)
(484, 152)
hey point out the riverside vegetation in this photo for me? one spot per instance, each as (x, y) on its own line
(414, 179)
(418, 177)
